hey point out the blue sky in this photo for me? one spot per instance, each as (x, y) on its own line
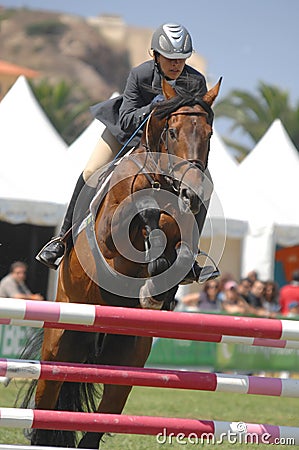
(243, 41)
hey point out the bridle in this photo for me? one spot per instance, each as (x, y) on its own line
(151, 165)
(172, 167)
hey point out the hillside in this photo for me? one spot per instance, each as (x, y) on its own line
(94, 55)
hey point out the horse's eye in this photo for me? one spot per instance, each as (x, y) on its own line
(172, 133)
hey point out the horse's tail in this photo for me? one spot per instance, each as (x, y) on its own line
(32, 350)
(75, 397)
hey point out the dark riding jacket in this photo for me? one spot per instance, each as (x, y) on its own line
(123, 114)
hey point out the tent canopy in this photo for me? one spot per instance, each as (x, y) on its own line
(272, 167)
(32, 161)
(223, 168)
(269, 180)
(79, 151)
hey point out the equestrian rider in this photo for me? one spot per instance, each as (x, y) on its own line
(171, 45)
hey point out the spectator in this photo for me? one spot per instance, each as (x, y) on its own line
(255, 296)
(244, 287)
(226, 276)
(13, 284)
(270, 297)
(252, 276)
(206, 300)
(233, 303)
(289, 293)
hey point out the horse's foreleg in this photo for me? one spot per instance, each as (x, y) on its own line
(155, 244)
(149, 212)
(117, 350)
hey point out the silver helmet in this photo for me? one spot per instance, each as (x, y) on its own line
(172, 41)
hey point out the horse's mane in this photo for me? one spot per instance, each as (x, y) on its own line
(190, 96)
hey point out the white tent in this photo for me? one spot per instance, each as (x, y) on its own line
(32, 161)
(268, 180)
(273, 168)
(223, 232)
(223, 168)
(80, 150)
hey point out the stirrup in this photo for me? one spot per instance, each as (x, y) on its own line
(208, 272)
(205, 273)
(54, 265)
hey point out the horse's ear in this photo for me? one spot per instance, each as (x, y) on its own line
(167, 90)
(211, 95)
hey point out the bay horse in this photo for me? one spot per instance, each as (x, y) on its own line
(149, 202)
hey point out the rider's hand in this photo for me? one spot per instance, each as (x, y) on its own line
(36, 297)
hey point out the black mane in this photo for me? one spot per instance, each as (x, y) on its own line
(192, 97)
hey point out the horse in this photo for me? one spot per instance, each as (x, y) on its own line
(148, 202)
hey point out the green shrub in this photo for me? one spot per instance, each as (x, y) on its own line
(46, 28)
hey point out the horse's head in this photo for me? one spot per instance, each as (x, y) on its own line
(186, 135)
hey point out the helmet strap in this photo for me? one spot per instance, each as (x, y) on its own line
(159, 67)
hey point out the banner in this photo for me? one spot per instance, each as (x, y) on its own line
(12, 340)
(248, 358)
(182, 353)
(286, 262)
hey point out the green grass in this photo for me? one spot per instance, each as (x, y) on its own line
(184, 404)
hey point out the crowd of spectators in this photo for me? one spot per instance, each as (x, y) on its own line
(247, 296)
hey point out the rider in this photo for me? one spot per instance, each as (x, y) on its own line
(171, 45)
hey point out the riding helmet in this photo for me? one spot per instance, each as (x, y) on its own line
(172, 41)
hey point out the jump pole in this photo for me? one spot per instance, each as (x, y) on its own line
(158, 426)
(115, 319)
(133, 376)
(217, 338)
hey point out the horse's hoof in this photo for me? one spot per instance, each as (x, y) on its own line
(158, 266)
(146, 301)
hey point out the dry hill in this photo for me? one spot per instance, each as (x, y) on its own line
(94, 55)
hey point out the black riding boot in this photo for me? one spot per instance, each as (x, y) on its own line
(198, 273)
(56, 247)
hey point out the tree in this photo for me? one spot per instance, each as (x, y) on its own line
(253, 114)
(67, 114)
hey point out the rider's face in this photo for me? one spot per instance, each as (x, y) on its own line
(172, 68)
